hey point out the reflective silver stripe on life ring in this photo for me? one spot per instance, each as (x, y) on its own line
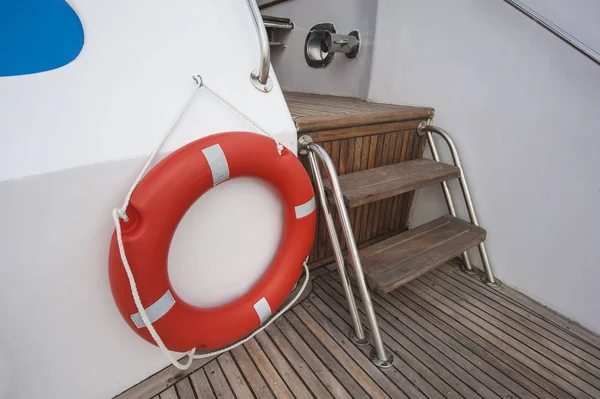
(305, 209)
(263, 309)
(217, 162)
(155, 311)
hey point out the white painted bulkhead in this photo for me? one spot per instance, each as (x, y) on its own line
(523, 108)
(73, 141)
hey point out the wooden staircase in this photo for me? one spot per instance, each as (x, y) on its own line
(388, 261)
(395, 261)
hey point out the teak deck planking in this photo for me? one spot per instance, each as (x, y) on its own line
(451, 335)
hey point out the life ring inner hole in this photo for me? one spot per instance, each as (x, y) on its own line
(210, 265)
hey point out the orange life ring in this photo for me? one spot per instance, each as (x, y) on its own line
(157, 206)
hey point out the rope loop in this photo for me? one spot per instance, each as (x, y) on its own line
(122, 215)
(240, 113)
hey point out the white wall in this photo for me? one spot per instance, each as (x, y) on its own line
(129, 83)
(71, 142)
(524, 109)
(344, 77)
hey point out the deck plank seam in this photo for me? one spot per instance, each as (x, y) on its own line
(454, 345)
(321, 381)
(467, 348)
(500, 293)
(364, 357)
(408, 352)
(333, 355)
(449, 349)
(482, 307)
(212, 388)
(440, 315)
(181, 381)
(260, 371)
(217, 365)
(207, 384)
(569, 369)
(447, 367)
(553, 375)
(279, 371)
(235, 361)
(520, 320)
(274, 327)
(482, 338)
(363, 352)
(524, 309)
(339, 299)
(399, 358)
(321, 360)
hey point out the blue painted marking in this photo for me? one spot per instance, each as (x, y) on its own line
(37, 36)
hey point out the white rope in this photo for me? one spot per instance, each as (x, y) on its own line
(138, 302)
(240, 113)
(120, 213)
(198, 84)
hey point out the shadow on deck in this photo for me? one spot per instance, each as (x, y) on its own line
(451, 335)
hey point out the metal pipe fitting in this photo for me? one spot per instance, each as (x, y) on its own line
(335, 43)
(279, 25)
(323, 41)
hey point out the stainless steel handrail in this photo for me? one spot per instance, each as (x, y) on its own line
(380, 356)
(556, 30)
(489, 276)
(434, 154)
(358, 334)
(260, 77)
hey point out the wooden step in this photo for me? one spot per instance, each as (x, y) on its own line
(387, 181)
(320, 113)
(401, 258)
